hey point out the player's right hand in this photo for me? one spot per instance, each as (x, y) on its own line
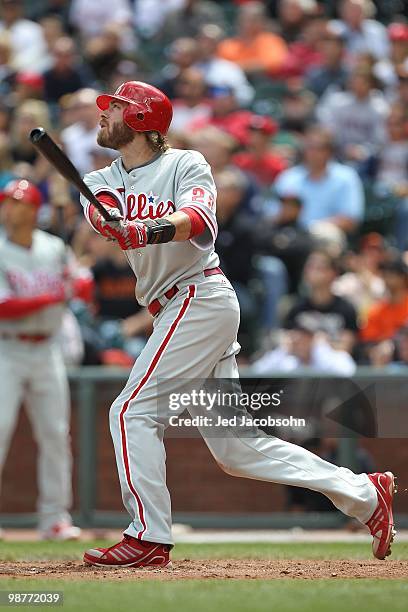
(99, 223)
(129, 234)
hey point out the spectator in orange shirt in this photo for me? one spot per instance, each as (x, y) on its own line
(387, 316)
(254, 48)
(258, 159)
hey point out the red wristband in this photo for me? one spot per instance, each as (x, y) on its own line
(198, 224)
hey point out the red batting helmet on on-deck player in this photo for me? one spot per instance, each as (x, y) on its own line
(149, 108)
(23, 191)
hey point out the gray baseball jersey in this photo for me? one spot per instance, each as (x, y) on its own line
(33, 372)
(194, 336)
(169, 182)
(31, 272)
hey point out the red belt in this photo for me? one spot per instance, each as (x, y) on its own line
(25, 337)
(155, 307)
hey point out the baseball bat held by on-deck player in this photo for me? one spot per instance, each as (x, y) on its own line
(57, 158)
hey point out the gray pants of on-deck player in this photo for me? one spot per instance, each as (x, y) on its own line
(34, 373)
(195, 337)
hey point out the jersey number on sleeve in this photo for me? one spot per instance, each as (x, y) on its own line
(198, 195)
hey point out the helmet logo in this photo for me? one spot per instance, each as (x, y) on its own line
(148, 101)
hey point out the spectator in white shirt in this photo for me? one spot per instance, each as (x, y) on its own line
(28, 47)
(219, 72)
(150, 15)
(303, 347)
(361, 33)
(79, 137)
(91, 17)
(393, 158)
(392, 170)
(356, 117)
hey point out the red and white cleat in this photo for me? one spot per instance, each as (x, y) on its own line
(130, 552)
(61, 532)
(381, 524)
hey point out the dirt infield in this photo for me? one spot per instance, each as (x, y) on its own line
(187, 569)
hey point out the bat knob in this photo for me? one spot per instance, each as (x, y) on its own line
(36, 134)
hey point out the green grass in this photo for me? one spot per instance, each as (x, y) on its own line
(31, 551)
(331, 595)
(224, 596)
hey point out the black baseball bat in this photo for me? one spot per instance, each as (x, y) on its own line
(56, 156)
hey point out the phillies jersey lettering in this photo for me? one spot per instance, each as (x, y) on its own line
(144, 206)
(30, 284)
(31, 272)
(169, 182)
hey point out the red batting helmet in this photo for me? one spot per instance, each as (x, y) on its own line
(24, 191)
(148, 109)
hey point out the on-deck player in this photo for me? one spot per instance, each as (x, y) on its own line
(34, 278)
(167, 197)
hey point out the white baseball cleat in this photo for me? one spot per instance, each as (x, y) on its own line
(61, 532)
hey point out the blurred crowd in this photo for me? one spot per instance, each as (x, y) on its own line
(299, 106)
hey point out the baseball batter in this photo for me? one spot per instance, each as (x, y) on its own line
(167, 198)
(33, 273)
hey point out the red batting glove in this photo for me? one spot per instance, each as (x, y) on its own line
(128, 234)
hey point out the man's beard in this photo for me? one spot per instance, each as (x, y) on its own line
(117, 137)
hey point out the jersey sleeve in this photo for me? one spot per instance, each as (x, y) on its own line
(196, 190)
(98, 185)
